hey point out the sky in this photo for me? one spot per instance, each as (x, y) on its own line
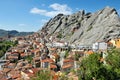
(31, 15)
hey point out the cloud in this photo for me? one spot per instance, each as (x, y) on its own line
(37, 11)
(56, 9)
(59, 7)
(43, 21)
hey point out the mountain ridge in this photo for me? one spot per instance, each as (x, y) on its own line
(13, 33)
(84, 28)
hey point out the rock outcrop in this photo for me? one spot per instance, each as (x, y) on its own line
(85, 28)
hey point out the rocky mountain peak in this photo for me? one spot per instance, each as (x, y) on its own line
(85, 28)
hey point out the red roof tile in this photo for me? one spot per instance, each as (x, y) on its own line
(56, 55)
(68, 60)
(6, 70)
(47, 60)
(35, 70)
(53, 66)
(16, 76)
(22, 54)
(67, 66)
(52, 49)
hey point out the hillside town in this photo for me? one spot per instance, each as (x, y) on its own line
(37, 52)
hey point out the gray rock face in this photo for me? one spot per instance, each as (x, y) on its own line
(85, 28)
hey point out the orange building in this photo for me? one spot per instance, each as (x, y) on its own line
(115, 42)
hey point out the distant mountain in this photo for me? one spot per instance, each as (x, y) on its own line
(84, 28)
(13, 33)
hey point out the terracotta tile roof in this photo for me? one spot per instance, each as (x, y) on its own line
(14, 71)
(35, 70)
(89, 52)
(12, 64)
(47, 60)
(53, 66)
(6, 70)
(109, 43)
(67, 66)
(68, 60)
(1, 75)
(3, 79)
(16, 76)
(53, 49)
(28, 66)
(29, 73)
(1, 72)
(55, 77)
(56, 55)
(22, 54)
(19, 78)
(35, 50)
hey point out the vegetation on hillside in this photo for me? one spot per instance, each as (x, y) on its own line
(4, 33)
(91, 68)
(29, 58)
(5, 45)
(43, 75)
(59, 35)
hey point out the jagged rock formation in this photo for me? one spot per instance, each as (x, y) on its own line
(85, 28)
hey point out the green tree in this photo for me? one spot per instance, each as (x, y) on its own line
(66, 53)
(64, 76)
(113, 61)
(89, 66)
(43, 75)
(59, 35)
(77, 56)
(5, 45)
(29, 58)
(1, 53)
(92, 69)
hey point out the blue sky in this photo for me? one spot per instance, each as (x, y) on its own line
(30, 15)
